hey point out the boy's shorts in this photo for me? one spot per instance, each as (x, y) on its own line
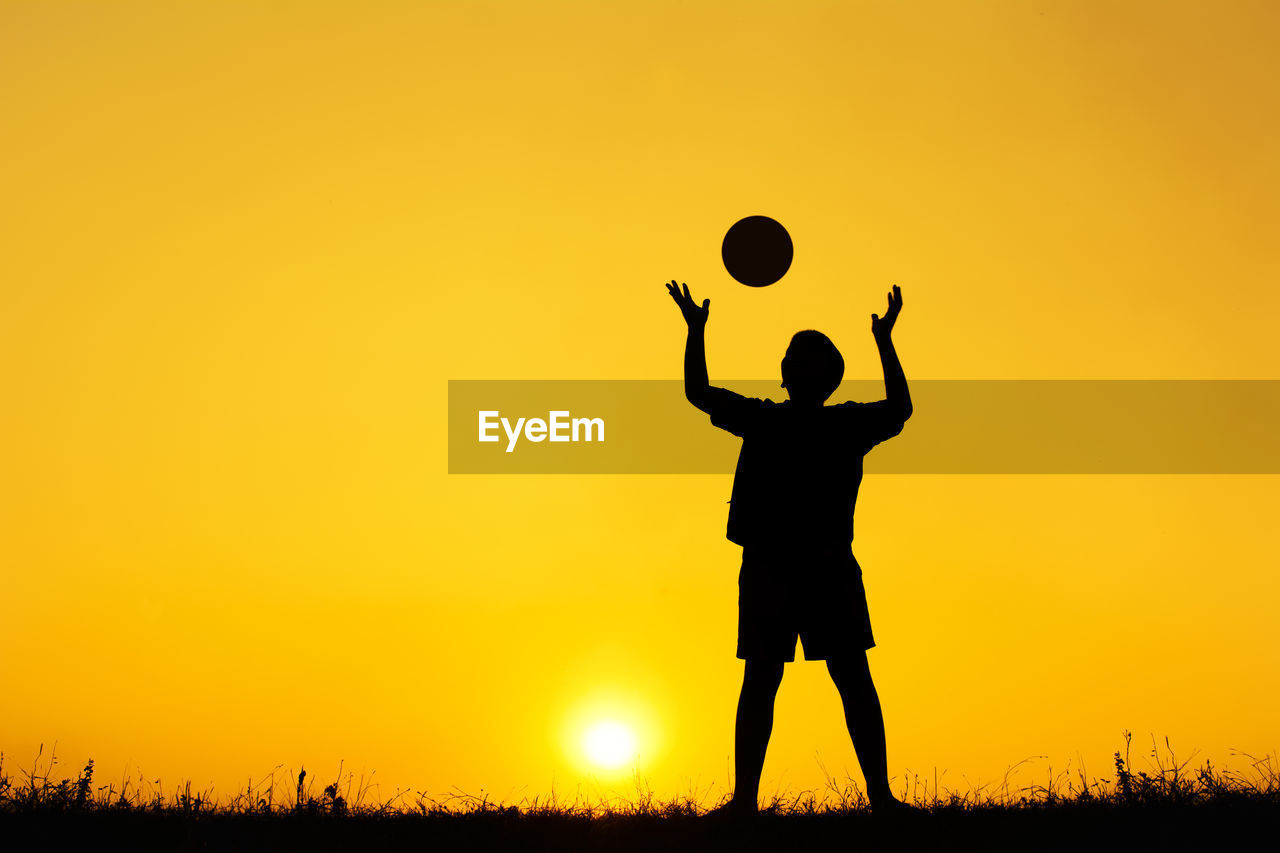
(817, 597)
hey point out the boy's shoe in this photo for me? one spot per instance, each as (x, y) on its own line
(895, 807)
(734, 809)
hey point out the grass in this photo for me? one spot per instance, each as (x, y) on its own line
(1172, 804)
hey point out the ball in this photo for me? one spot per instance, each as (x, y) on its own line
(757, 251)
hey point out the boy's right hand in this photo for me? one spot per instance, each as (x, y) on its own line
(882, 327)
(694, 315)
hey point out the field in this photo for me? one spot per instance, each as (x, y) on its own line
(1172, 806)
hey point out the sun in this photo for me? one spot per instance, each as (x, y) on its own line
(609, 733)
(609, 744)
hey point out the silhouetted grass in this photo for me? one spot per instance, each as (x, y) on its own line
(1170, 805)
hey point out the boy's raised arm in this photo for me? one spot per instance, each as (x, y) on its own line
(696, 386)
(895, 380)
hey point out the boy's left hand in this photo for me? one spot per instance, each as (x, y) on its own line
(881, 327)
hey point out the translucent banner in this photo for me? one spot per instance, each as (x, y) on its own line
(959, 427)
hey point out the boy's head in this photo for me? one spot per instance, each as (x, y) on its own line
(812, 368)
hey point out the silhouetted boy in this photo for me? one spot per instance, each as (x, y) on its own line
(791, 510)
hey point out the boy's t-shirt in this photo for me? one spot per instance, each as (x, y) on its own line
(798, 472)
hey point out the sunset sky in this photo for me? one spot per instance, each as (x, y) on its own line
(245, 245)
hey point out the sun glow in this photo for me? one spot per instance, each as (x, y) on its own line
(609, 744)
(607, 732)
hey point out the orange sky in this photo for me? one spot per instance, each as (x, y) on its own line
(245, 245)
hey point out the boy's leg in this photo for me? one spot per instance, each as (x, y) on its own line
(862, 715)
(760, 680)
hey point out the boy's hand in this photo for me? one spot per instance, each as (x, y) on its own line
(693, 315)
(881, 327)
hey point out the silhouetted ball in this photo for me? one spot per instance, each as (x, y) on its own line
(757, 251)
